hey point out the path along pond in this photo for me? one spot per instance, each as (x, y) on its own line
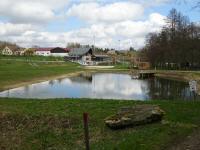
(104, 86)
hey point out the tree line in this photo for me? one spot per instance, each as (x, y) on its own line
(177, 45)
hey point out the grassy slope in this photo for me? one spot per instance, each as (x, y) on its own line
(12, 72)
(182, 75)
(33, 58)
(57, 124)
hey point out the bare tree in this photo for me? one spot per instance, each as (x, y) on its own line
(177, 45)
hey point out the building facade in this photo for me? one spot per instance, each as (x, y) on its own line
(7, 51)
(81, 55)
(10, 50)
(57, 52)
(86, 56)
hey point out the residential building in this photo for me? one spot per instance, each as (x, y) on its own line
(11, 50)
(86, 56)
(56, 51)
(81, 55)
(43, 51)
(62, 52)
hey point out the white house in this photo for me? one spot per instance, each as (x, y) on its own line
(57, 52)
(10, 50)
(43, 51)
(7, 51)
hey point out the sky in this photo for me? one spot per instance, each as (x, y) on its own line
(118, 24)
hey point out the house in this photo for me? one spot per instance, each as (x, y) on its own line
(81, 55)
(56, 51)
(11, 50)
(86, 56)
(60, 52)
(43, 51)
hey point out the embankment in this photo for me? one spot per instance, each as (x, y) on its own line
(181, 76)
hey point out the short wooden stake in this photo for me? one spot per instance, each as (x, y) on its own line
(86, 131)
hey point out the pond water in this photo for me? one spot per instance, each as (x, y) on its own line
(104, 86)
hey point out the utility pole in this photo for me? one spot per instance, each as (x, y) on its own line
(94, 41)
(94, 46)
(119, 48)
(119, 44)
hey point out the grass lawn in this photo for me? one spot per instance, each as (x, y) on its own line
(32, 58)
(13, 72)
(121, 66)
(57, 124)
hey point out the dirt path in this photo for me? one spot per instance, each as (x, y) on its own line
(191, 142)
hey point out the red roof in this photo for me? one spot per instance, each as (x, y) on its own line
(43, 49)
(67, 49)
(50, 48)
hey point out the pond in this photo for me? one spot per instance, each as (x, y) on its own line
(104, 86)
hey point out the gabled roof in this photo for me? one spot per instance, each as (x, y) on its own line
(79, 51)
(13, 47)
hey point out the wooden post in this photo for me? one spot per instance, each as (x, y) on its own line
(86, 131)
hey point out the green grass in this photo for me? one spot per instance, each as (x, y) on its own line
(14, 72)
(57, 124)
(32, 58)
(121, 66)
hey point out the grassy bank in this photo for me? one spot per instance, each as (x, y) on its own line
(14, 72)
(31, 58)
(57, 124)
(181, 75)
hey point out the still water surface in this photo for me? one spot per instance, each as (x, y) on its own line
(105, 86)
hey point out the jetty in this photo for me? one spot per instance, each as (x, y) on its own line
(141, 74)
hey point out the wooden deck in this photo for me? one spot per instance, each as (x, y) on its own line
(142, 74)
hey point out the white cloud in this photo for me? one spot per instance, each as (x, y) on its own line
(131, 33)
(108, 22)
(9, 29)
(95, 12)
(29, 11)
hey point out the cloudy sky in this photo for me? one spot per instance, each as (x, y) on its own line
(107, 23)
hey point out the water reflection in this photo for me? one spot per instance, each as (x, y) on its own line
(104, 85)
(168, 89)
